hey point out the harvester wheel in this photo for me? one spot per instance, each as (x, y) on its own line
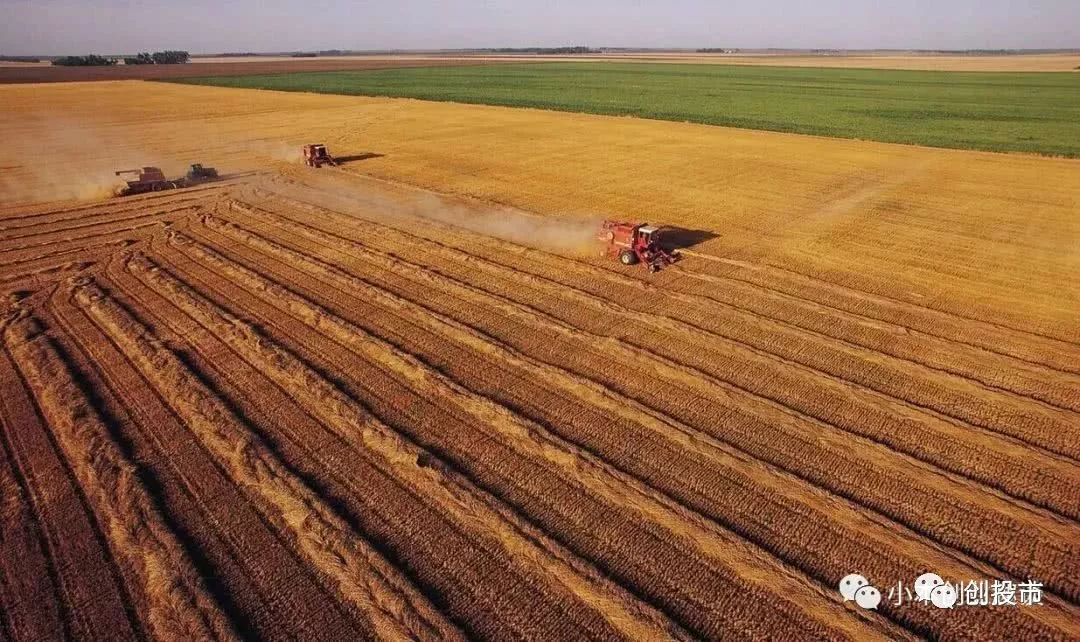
(627, 257)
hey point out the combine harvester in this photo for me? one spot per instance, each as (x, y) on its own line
(633, 243)
(152, 179)
(315, 155)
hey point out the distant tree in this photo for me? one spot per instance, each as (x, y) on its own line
(19, 59)
(91, 60)
(141, 59)
(542, 50)
(170, 57)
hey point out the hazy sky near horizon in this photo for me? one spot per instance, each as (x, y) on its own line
(210, 26)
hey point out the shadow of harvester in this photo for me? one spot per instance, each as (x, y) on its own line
(680, 238)
(357, 157)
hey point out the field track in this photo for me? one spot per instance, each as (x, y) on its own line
(255, 409)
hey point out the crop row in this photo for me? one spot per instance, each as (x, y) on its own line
(247, 557)
(780, 312)
(693, 490)
(871, 474)
(327, 540)
(461, 504)
(178, 606)
(539, 478)
(884, 392)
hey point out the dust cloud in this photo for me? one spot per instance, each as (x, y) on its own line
(67, 160)
(575, 236)
(275, 150)
(567, 236)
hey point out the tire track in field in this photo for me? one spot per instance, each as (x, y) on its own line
(916, 435)
(395, 610)
(50, 273)
(216, 517)
(126, 205)
(34, 248)
(889, 535)
(490, 416)
(81, 231)
(80, 250)
(179, 606)
(105, 218)
(897, 468)
(72, 246)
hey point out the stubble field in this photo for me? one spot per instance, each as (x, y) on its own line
(329, 404)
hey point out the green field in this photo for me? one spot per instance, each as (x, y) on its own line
(1025, 112)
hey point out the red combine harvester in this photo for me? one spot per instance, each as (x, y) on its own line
(317, 156)
(152, 179)
(634, 243)
(146, 179)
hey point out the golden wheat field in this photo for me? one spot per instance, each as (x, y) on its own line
(403, 398)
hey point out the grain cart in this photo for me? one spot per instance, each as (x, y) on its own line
(632, 243)
(317, 156)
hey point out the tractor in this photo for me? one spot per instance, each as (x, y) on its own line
(198, 173)
(316, 156)
(633, 243)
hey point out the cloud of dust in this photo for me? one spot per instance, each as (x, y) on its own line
(575, 236)
(275, 150)
(564, 235)
(60, 159)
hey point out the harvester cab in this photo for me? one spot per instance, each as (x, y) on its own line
(316, 156)
(633, 243)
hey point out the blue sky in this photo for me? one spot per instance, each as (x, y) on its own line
(209, 26)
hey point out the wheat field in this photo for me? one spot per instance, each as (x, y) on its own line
(404, 399)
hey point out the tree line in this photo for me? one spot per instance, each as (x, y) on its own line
(146, 58)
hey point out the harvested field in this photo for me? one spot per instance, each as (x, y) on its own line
(312, 404)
